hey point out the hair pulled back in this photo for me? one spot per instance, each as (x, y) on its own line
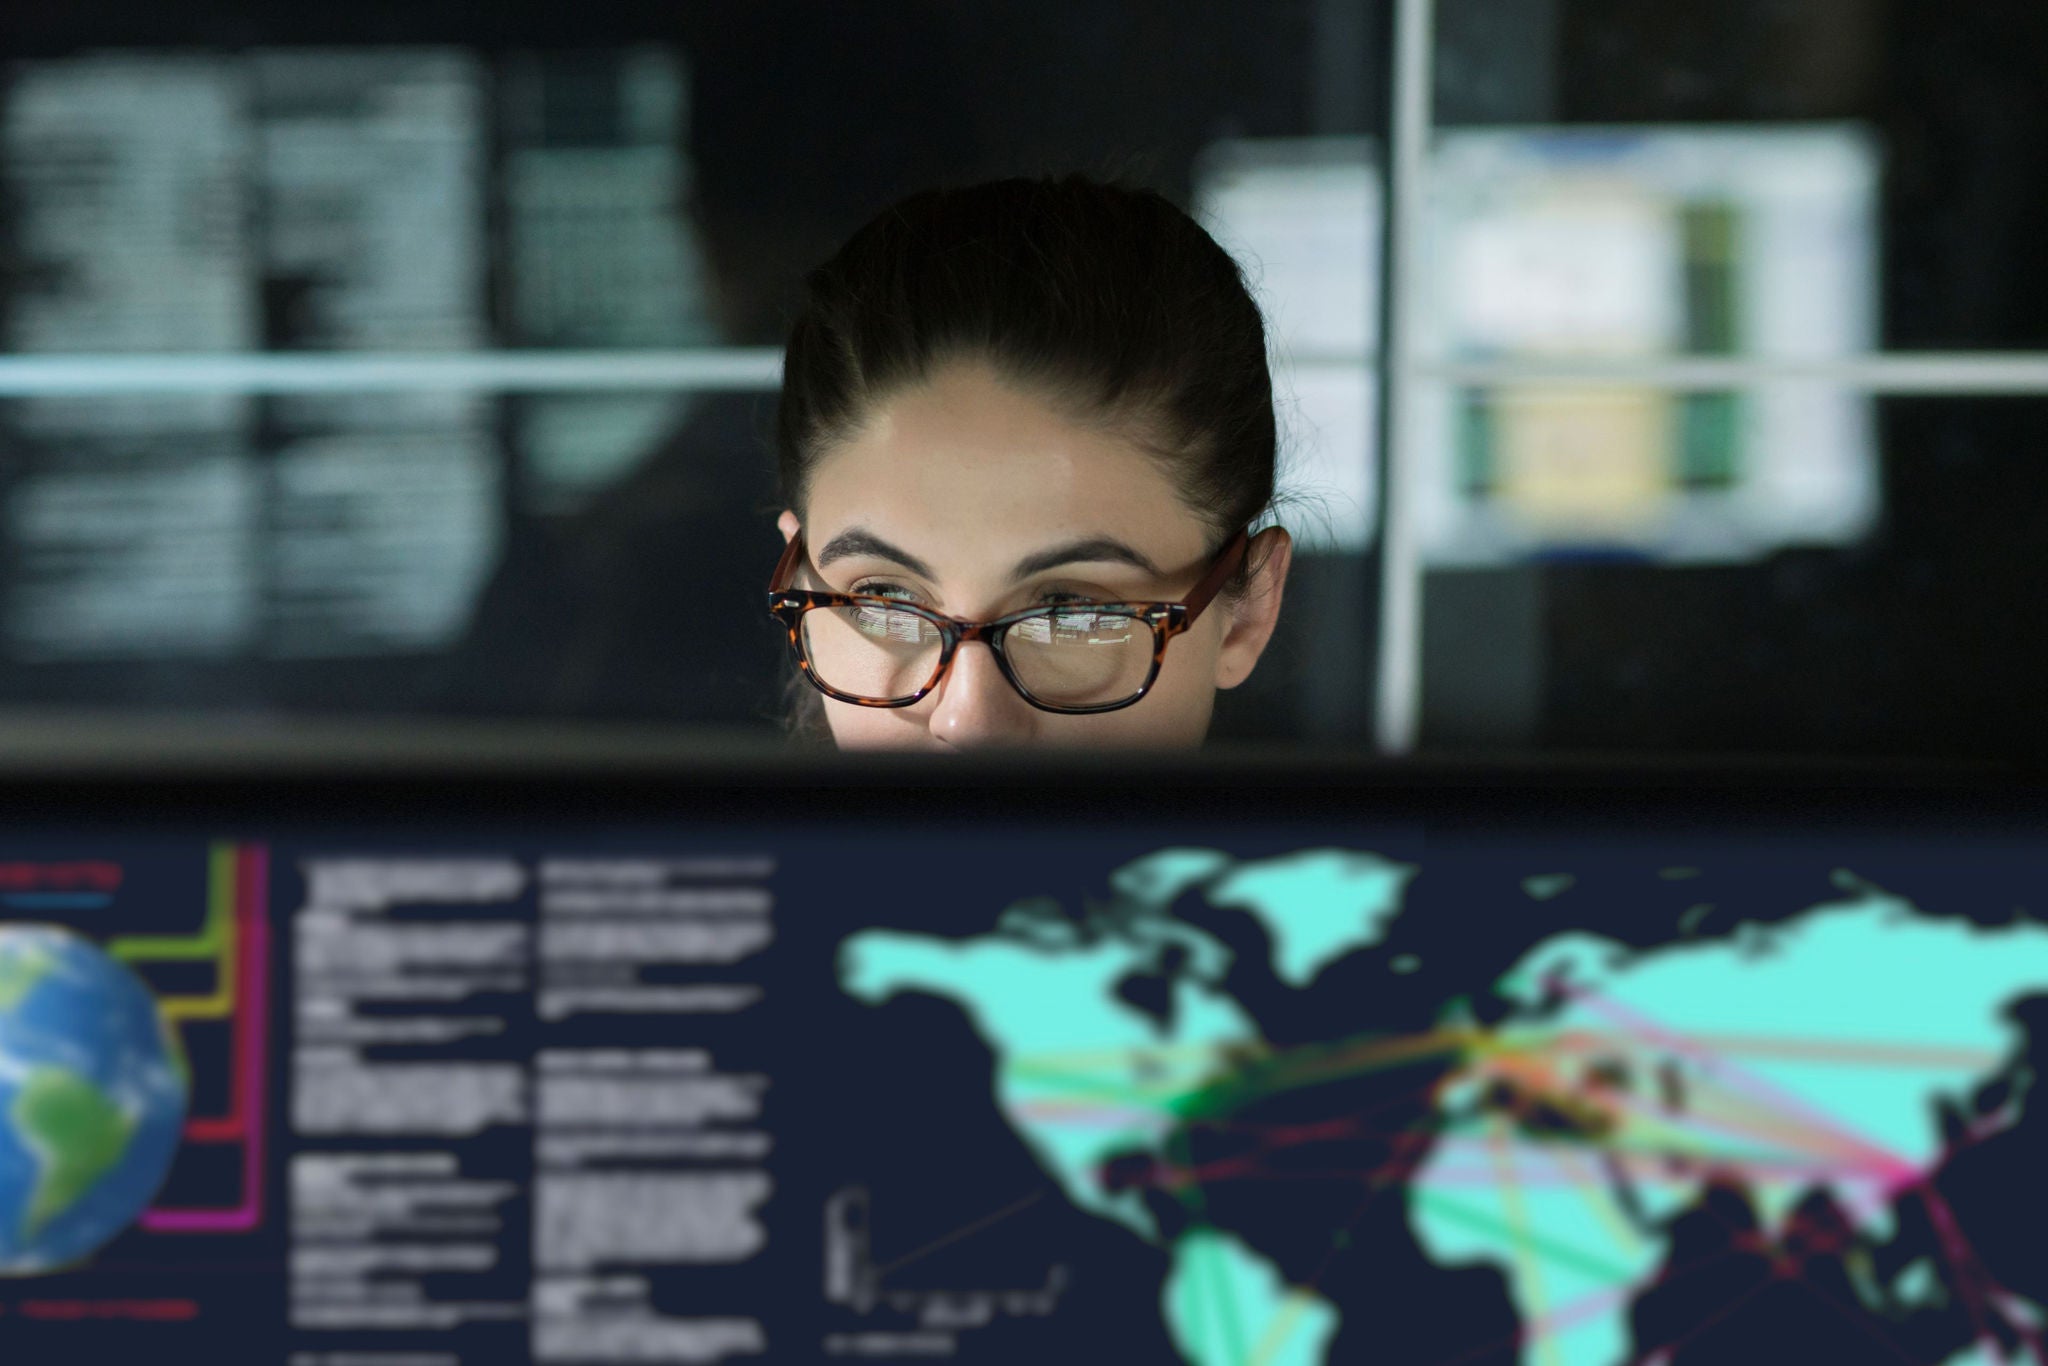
(1108, 300)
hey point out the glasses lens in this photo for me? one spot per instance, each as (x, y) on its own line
(872, 651)
(1079, 656)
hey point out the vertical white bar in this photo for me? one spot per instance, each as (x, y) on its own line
(1398, 699)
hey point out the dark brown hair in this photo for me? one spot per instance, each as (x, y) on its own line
(1107, 299)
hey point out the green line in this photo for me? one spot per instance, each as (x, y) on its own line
(1230, 1092)
(219, 916)
(1556, 1252)
(1226, 1305)
(1067, 1085)
(1277, 1060)
(1192, 1316)
(1227, 1090)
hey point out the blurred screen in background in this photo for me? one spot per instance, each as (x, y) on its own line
(1632, 243)
(402, 361)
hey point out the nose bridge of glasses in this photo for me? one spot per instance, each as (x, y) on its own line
(993, 672)
(978, 632)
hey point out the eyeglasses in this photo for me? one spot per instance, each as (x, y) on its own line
(1072, 658)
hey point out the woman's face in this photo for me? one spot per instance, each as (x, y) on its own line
(975, 498)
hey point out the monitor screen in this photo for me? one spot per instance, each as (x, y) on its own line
(1634, 244)
(1246, 1068)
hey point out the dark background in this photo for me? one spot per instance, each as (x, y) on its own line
(1925, 640)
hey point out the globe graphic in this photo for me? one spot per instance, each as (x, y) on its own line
(93, 1092)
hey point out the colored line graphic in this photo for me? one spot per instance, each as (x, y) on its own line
(1486, 1174)
(236, 939)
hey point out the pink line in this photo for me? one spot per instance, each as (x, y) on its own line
(1643, 1026)
(1895, 1173)
(253, 875)
(1704, 1122)
(1594, 1183)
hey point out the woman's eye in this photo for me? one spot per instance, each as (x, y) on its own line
(880, 588)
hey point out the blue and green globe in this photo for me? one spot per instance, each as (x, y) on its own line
(93, 1091)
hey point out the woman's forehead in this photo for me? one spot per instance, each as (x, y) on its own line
(965, 458)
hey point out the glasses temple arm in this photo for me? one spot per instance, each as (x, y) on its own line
(1227, 562)
(785, 568)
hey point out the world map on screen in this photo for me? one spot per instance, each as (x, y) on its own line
(1745, 1140)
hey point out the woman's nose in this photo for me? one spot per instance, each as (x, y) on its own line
(977, 707)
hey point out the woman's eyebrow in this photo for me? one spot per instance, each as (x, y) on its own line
(860, 541)
(1096, 548)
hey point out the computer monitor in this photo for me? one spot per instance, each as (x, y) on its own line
(1229, 1064)
(1648, 245)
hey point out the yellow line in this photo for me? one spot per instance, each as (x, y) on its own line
(221, 890)
(1282, 1327)
(1848, 1052)
(1594, 1190)
(1518, 1222)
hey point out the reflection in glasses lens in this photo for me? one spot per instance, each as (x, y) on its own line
(1079, 657)
(872, 651)
(1062, 656)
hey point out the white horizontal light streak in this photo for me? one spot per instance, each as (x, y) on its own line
(760, 368)
(724, 368)
(1903, 372)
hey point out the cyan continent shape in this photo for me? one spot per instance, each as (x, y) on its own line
(1805, 1054)
(1809, 1053)
(1315, 906)
(1082, 1076)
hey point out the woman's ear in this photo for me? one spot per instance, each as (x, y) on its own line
(1255, 612)
(788, 525)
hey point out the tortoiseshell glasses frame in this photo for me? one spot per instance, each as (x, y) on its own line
(1167, 620)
